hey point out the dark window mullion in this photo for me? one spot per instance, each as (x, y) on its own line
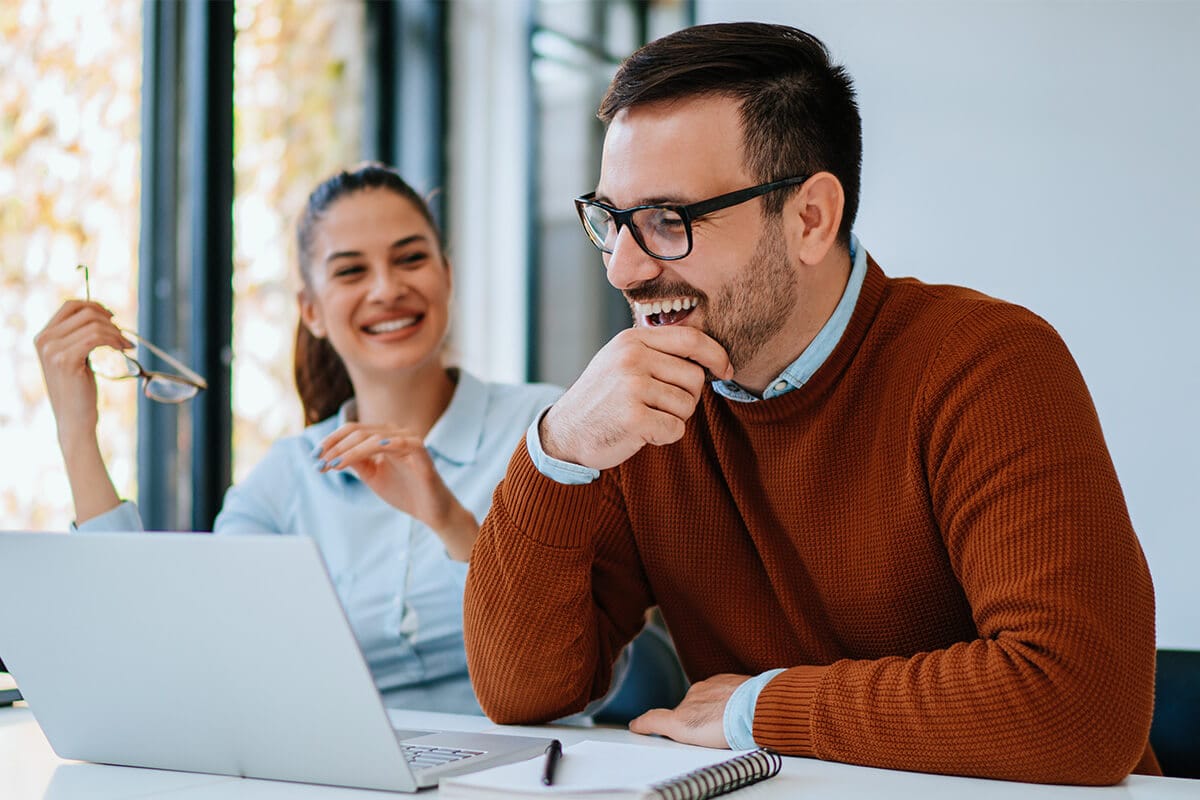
(157, 252)
(210, 200)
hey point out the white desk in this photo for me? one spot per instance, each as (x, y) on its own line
(29, 770)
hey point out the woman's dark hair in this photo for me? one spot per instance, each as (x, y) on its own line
(321, 377)
(799, 114)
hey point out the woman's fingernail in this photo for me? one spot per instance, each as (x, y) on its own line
(384, 442)
(321, 464)
(316, 451)
(335, 462)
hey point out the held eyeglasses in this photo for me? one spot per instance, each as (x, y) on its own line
(163, 387)
(663, 232)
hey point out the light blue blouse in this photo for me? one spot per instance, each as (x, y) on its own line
(402, 593)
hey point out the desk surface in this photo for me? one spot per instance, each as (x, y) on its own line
(30, 770)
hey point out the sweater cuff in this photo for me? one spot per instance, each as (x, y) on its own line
(783, 715)
(548, 512)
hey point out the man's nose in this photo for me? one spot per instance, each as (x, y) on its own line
(629, 265)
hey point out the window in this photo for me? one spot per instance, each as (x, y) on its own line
(298, 96)
(69, 194)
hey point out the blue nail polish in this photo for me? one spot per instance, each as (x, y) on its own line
(384, 442)
(321, 464)
(316, 451)
(335, 462)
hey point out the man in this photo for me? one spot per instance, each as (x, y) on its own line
(878, 516)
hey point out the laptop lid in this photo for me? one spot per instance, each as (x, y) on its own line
(223, 654)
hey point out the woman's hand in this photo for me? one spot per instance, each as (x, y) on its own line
(63, 346)
(397, 467)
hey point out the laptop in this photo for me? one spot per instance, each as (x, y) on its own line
(218, 654)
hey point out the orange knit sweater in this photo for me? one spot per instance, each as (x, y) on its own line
(929, 534)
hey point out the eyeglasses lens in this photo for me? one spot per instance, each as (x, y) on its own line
(660, 231)
(166, 389)
(111, 363)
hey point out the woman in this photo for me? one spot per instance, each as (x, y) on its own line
(392, 427)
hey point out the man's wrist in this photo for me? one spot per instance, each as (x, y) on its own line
(551, 445)
(557, 470)
(738, 719)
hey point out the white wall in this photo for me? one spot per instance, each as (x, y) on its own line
(1046, 153)
(487, 167)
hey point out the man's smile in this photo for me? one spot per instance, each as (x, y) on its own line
(664, 312)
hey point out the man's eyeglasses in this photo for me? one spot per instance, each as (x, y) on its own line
(116, 365)
(662, 231)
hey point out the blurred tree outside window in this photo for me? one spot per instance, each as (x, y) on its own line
(298, 95)
(69, 192)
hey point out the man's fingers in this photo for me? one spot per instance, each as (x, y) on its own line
(690, 343)
(661, 427)
(655, 721)
(686, 375)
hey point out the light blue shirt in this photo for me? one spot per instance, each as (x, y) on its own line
(738, 719)
(402, 593)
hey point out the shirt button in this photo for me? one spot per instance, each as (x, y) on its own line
(780, 386)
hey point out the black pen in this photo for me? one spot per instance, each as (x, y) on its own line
(553, 754)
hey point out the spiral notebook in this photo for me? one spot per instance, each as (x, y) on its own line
(604, 771)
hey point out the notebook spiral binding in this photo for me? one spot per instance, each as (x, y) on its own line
(720, 778)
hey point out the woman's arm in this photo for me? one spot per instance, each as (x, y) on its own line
(63, 346)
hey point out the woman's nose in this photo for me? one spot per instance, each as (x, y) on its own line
(388, 284)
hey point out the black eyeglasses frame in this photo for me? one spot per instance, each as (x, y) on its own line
(687, 213)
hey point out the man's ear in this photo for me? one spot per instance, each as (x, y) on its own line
(310, 314)
(812, 217)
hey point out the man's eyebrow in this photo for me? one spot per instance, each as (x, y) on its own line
(645, 201)
(407, 240)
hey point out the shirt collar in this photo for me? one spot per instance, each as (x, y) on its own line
(458, 432)
(799, 371)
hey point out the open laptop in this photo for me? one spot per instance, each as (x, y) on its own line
(220, 654)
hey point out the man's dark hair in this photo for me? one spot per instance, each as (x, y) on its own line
(799, 114)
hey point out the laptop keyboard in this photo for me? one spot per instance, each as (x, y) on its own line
(423, 756)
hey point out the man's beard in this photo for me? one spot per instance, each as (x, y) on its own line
(750, 309)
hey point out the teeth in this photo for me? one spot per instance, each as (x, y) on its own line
(661, 306)
(392, 325)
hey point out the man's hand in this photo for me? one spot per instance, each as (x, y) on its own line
(640, 389)
(699, 718)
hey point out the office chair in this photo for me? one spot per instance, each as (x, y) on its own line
(654, 679)
(1175, 727)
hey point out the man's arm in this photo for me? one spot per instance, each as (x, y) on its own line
(1058, 685)
(556, 586)
(555, 590)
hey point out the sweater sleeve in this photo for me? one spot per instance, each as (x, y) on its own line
(554, 591)
(1058, 685)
